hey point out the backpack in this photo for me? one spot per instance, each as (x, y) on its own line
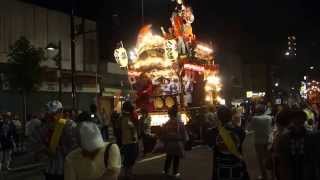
(106, 154)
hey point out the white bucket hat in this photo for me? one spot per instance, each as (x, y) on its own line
(90, 137)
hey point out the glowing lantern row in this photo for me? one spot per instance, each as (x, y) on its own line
(212, 88)
(213, 83)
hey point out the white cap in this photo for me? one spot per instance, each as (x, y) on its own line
(54, 106)
(90, 137)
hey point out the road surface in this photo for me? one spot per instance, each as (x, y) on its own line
(195, 166)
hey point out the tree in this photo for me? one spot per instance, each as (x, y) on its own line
(25, 73)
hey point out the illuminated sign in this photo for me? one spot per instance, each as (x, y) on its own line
(251, 94)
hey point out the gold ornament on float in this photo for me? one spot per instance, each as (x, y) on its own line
(158, 103)
(170, 102)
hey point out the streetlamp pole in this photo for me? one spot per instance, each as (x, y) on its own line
(142, 12)
(60, 71)
(73, 63)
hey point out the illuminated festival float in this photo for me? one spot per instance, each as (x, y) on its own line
(312, 92)
(170, 69)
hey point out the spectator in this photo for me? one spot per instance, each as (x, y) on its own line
(7, 135)
(236, 117)
(33, 137)
(261, 124)
(315, 110)
(106, 126)
(83, 117)
(116, 126)
(129, 138)
(18, 148)
(282, 123)
(32, 124)
(226, 142)
(95, 116)
(95, 159)
(174, 136)
(67, 114)
(298, 151)
(211, 117)
(58, 139)
(145, 130)
(309, 124)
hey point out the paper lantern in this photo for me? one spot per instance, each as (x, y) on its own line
(121, 56)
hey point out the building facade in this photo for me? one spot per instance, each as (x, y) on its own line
(42, 26)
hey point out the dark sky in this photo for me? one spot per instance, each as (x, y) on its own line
(257, 30)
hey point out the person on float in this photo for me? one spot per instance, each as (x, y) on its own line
(144, 93)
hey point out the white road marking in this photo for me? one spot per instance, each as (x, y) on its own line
(152, 158)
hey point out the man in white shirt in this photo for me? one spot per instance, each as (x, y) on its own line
(261, 124)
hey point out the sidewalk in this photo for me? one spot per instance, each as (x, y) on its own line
(22, 167)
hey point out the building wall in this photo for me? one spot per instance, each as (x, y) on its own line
(113, 76)
(255, 76)
(231, 72)
(43, 26)
(13, 102)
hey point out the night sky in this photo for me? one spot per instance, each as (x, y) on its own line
(256, 30)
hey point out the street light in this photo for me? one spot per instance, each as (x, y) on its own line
(311, 67)
(276, 84)
(287, 53)
(57, 47)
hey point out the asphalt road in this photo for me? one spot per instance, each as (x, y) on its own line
(195, 166)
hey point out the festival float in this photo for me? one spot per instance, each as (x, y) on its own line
(312, 92)
(171, 69)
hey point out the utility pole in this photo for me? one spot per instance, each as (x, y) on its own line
(60, 71)
(142, 12)
(73, 63)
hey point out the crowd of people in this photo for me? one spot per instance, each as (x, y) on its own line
(285, 141)
(11, 138)
(78, 145)
(87, 146)
(288, 145)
